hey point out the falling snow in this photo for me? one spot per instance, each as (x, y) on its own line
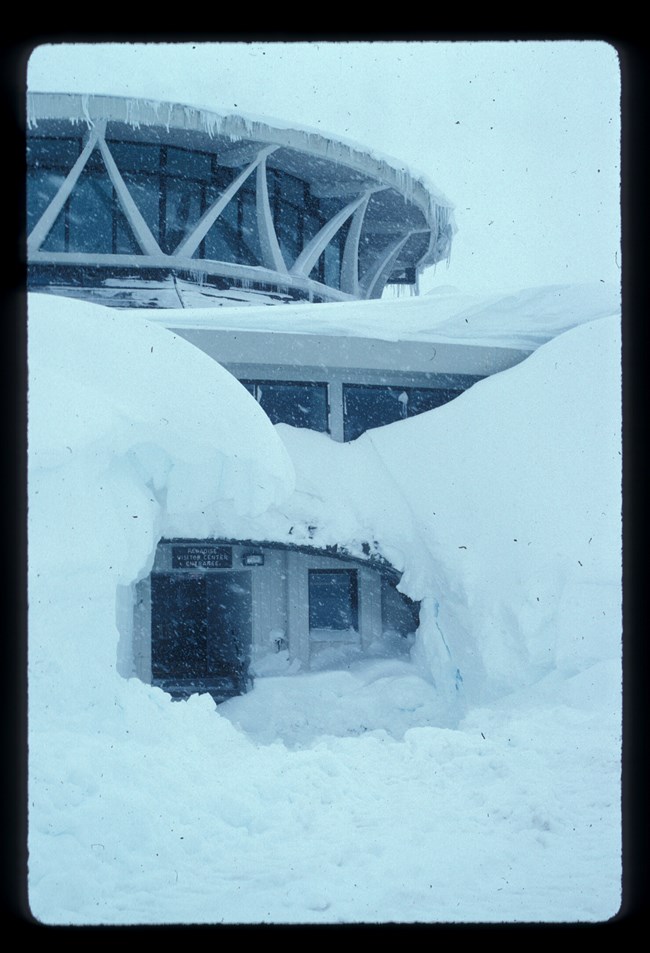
(476, 780)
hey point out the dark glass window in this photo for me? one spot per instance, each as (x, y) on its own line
(41, 189)
(402, 276)
(179, 626)
(53, 153)
(92, 220)
(85, 224)
(172, 188)
(370, 405)
(125, 240)
(372, 248)
(222, 241)
(328, 267)
(91, 214)
(312, 224)
(182, 212)
(295, 213)
(297, 403)
(330, 207)
(422, 399)
(333, 599)
(250, 250)
(222, 177)
(186, 164)
(95, 163)
(135, 157)
(56, 239)
(292, 189)
(145, 192)
(201, 629)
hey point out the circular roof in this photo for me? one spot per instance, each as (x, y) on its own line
(400, 207)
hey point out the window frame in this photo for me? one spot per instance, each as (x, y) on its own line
(332, 633)
(451, 389)
(252, 385)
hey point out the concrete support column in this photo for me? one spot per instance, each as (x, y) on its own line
(374, 280)
(139, 227)
(298, 607)
(350, 263)
(271, 253)
(336, 410)
(313, 250)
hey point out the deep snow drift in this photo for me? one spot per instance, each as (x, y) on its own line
(478, 782)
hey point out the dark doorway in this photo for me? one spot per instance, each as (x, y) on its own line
(201, 632)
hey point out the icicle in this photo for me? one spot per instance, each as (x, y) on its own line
(31, 112)
(414, 189)
(84, 109)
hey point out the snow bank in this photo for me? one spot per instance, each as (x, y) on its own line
(332, 797)
(123, 381)
(516, 488)
(125, 431)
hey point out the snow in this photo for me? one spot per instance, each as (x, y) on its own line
(116, 436)
(477, 780)
(522, 319)
(235, 125)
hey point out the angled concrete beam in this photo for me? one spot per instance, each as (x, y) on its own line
(375, 278)
(350, 263)
(192, 241)
(271, 253)
(312, 251)
(42, 228)
(139, 227)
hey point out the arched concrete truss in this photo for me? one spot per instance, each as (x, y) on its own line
(126, 194)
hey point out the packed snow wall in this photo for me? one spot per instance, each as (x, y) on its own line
(119, 439)
(501, 509)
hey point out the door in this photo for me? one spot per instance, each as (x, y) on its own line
(201, 632)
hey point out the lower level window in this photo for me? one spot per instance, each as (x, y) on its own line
(297, 403)
(372, 405)
(333, 600)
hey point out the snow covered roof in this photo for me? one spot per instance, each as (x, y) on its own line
(177, 117)
(521, 321)
(325, 220)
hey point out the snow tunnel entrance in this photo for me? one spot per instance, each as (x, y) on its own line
(201, 633)
(215, 613)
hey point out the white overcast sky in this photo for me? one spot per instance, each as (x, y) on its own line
(522, 136)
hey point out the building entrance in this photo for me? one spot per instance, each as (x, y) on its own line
(201, 632)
